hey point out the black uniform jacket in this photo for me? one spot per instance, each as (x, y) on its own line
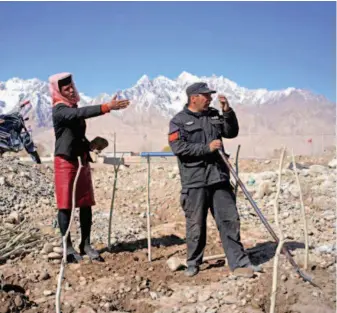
(190, 134)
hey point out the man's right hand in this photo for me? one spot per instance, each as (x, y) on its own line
(115, 104)
(215, 144)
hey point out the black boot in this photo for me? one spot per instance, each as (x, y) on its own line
(191, 270)
(64, 220)
(86, 222)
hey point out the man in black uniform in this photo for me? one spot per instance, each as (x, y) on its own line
(195, 135)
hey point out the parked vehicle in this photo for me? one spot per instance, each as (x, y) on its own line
(14, 135)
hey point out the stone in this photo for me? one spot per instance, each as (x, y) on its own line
(48, 293)
(284, 277)
(58, 250)
(256, 303)
(329, 248)
(264, 189)
(333, 163)
(285, 214)
(54, 255)
(243, 272)
(24, 174)
(229, 299)
(294, 191)
(2, 181)
(47, 248)
(175, 263)
(250, 309)
(44, 276)
(201, 308)
(85, 309)
(56, 261)
(5, 307)
(204, 295)
(153, 295)
(317, 169)
(83, 282)
(251, 181)
(172, 175)
(14, 218)
(18, 301)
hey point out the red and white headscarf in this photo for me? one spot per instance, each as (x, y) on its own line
(55, 91)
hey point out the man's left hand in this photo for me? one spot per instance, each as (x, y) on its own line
(224, 104)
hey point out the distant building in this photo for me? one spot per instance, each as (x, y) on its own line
(119, 154)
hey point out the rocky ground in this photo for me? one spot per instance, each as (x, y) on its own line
(127, 282)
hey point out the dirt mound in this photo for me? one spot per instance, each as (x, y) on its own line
(12, 296)
(24, 187)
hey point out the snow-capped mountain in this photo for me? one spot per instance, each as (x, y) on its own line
(160, 94)
(16, 90)
(278, 114)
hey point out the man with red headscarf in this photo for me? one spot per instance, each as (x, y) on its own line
(71, 143)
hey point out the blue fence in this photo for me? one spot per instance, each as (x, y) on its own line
(156, 154)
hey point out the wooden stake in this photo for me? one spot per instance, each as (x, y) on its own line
(237, 168)
(276, 204)
(64, 240)
(304, 219)
(116, 169)
(148, 210)
(275, 274)
(281, 236)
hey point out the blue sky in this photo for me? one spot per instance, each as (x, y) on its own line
(110, 45)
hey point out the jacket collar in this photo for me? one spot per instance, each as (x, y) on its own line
(196, 114)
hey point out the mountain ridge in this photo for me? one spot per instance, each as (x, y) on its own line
(287, 112)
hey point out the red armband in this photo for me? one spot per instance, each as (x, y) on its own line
(174, 136)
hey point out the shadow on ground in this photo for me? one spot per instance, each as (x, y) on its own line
(259, 254)
(263, 252)
(165, 241)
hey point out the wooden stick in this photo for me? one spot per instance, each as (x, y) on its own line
(304, 219)
(276, 204)
(274, 285)
(64, 239)
(281, 236)
(18, 249)
(237, 168)
(111, 209)
(12, 242)
(116, 169)
(148, 211)
(113, 197)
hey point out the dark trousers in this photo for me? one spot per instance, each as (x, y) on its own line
(85, 221)
(221, 201)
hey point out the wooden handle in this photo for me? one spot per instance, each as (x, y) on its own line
(214, 257)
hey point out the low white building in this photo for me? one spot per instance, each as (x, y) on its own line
(118, 154)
